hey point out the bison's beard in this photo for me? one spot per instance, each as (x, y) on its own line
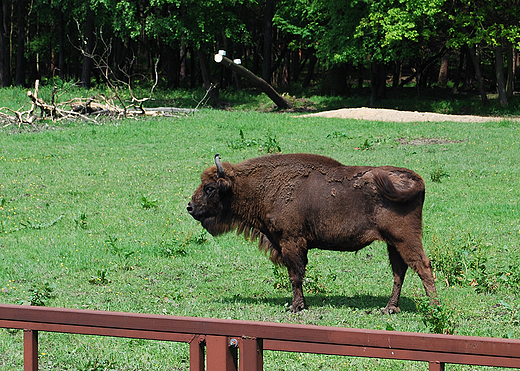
(216, 227)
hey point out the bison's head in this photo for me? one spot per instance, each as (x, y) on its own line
(211, 201)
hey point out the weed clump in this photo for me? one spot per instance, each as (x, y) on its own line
(438, 318)
(463, 262)
(268, 145)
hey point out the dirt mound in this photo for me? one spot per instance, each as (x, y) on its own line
(383, 114)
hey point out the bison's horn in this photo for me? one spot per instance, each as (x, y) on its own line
(220, 170)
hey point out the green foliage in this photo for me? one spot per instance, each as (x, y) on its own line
(169, 249)
(281, 278)
(121, 252)
(97, 365)
(337, 134)
(385, 30)
(80, 221)
(178, 246)
(510, 275)
(486, 22)
(463, 262)
(438, 173)
(269, 144)
(513, 309)
(437, 317)
(201, 237)
(243, 142)
(28, 224)
(313, 282)
(147, 203)
(40, 294)
(100, 278)
(370, 142)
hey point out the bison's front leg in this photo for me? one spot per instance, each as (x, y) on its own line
(294, 257)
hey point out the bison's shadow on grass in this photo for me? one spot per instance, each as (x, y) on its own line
(316, 301)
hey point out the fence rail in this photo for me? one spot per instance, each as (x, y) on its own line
(229, 345)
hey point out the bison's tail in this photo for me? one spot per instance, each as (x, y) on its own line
(400, 185)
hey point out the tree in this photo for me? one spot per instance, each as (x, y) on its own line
(268, 40)
(5, 57)
(378, 33)
(20, 48)
(285, 41)
(489, 23)
(88, 48)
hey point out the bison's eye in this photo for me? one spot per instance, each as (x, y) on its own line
(209, 189)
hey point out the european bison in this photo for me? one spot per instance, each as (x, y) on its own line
(296, 202)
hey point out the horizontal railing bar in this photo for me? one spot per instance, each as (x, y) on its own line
(402, 354)
(98, 331)
(34, 317)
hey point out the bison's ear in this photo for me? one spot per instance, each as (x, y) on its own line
(224, 185)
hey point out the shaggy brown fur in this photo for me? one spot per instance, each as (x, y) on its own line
(295, 202)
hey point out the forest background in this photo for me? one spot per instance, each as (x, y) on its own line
(328, 46)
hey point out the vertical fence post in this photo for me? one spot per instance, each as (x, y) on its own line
(436, 366)
(197, 353)
(30, 350)
(251, 355)
(219, 356)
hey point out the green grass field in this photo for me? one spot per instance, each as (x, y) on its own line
(93, 217)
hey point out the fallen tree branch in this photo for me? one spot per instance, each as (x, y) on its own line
(255, 80)
(89, 109)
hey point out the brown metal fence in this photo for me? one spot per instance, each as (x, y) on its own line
(225, 345)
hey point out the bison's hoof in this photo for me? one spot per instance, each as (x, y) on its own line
(296, 308)
(390, 309)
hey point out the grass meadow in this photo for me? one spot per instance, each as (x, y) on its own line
(93, 217)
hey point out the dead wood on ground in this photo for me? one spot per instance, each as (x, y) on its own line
(90, 109)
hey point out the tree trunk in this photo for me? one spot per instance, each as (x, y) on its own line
(61, 45)
(286, 68)
(460, 68)
(501, 84)
(378, 83)
(170, 65)
(296, 65)
(335, 81)
(442, 80)
(5, 60)
(206, 80)
(510, 84)
(268, 40)
(480, 80)
(19, 79)
(396, 73)
(360, 77)
(182, 60)
(89, 48)
(310, 70)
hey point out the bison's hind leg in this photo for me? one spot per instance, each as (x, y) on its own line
(408, 254)
(399, 268)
